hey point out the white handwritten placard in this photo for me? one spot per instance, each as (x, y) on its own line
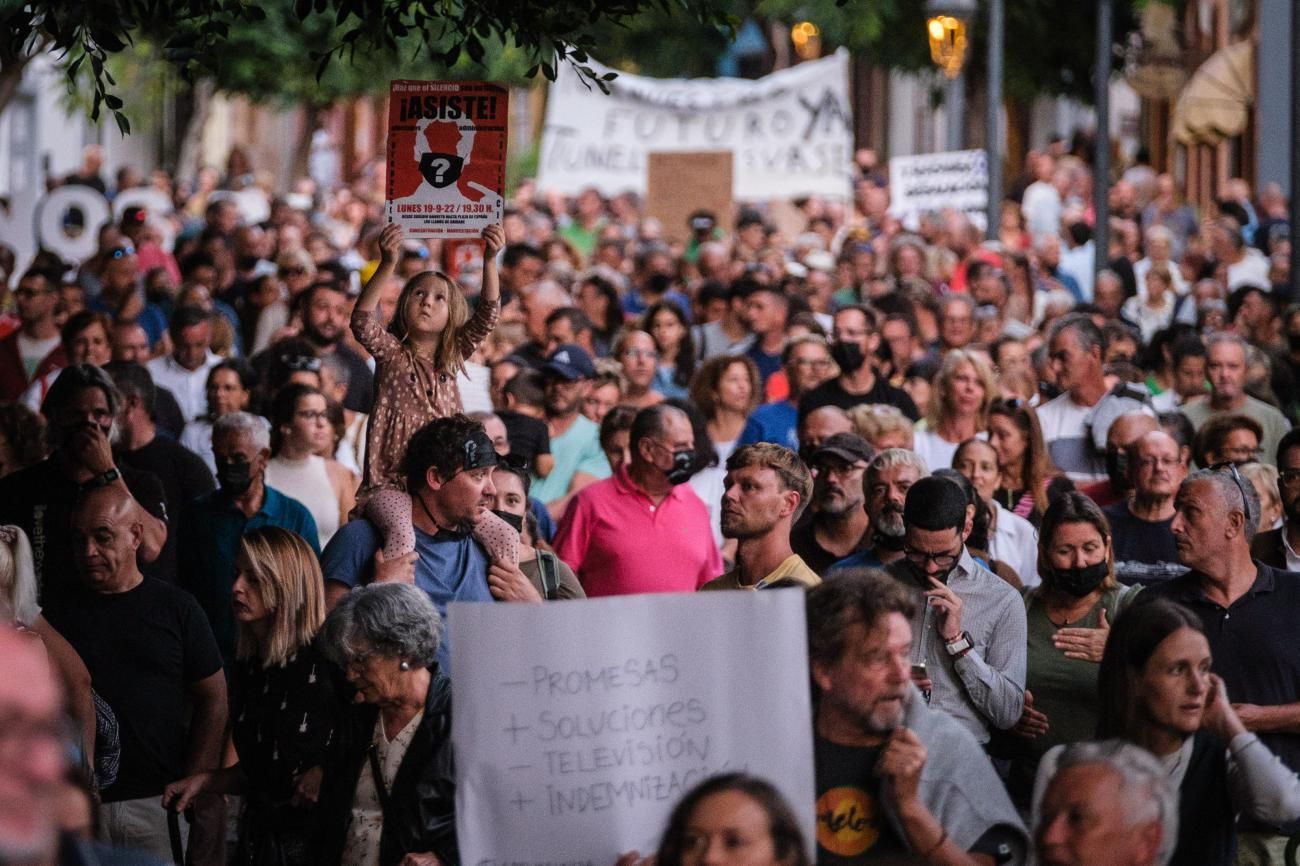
(934, 182)
(578, 725)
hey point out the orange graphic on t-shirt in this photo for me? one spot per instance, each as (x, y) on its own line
(847, 821)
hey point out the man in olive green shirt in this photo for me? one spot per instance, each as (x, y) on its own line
(767, 487)
(1226, 368)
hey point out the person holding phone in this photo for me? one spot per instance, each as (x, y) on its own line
(970, 624)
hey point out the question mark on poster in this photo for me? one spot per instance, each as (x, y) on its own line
(440, 166)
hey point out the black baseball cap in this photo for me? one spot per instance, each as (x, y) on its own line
(849, 447)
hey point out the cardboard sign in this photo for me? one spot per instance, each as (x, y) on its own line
(681, 183)
(935, 182)
(791, 131)
(446, 157)
(580, 724)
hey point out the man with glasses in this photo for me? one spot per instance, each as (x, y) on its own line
(807, 363)
(1249, 610)
(1226, 367)
(1278, 547)
(33, 350)
(644, 529)
(853, 348)
(1143, 545)
(575, 439)
(969, 632)
(836, 524)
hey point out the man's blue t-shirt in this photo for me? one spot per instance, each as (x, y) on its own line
(773, 422)
(449, 566)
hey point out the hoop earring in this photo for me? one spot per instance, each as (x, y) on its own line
(404, 666)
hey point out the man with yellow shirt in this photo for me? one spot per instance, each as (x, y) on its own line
(767, 487)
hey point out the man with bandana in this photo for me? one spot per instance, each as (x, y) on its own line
(969, 631)
(448, 472)
(644, 529)
(81, 409)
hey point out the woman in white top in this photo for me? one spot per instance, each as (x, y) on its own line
(230, 388)
(300, 427)
(1155, 311)
(1012, 539)
(959, 407)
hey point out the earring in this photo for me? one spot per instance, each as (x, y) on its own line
(404, 666)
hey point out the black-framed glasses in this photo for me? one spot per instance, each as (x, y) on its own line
(1288, 477)
(1236, 478)
(921, 557)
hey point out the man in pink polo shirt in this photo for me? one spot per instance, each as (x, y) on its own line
(644, 529)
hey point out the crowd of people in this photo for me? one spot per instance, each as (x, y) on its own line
(1046, 517)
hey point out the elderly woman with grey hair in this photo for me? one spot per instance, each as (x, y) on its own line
(392, 800)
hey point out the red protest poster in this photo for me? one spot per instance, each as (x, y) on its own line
(446, 157)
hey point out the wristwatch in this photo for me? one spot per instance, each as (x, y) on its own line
(960, 646)
(102, 480)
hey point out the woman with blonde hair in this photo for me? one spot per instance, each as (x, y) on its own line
(282, 700)
(959, 406)
(883, 426)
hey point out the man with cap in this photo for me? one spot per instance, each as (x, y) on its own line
(575, 439)
(837, 525)
(448, 471)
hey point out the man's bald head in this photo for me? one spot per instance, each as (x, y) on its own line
(1128, 428)
(106, 530)
(30, 705)
(822, 423)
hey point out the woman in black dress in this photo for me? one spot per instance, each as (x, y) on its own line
(283, 703)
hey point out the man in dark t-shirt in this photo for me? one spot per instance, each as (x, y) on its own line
(183, 474)
(855, 340)
(80, 408)
(874, 735)
(1143, 544)
(151, 657)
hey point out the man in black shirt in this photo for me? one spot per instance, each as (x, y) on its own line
(152, 658)
(855, 341)
(183, 474)
(874, 735)
(1144, 547)
(325, 313)
(80, 408)
(1249, 611)
(837, 525)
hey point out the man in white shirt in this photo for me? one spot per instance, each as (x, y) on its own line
(1075, 349)
(1247, 266)
(1043, 199)
(185, 371)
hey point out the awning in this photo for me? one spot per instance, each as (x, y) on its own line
(1216, 102)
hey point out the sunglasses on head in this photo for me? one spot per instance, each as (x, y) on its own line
(1236, 478)
(301, 363)
(121, 251)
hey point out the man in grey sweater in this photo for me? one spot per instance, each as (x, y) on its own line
(893, 775)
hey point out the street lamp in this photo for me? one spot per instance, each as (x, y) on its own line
(945, 27)
(807, 39)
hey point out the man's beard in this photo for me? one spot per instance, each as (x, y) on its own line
(320, 339)
(889, 524)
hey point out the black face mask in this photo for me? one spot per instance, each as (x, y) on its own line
(234, 478)
(682, 469)
(1117, 469)
(1078, 582)
(515, 520)
(848, 356)
(1293, 340)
